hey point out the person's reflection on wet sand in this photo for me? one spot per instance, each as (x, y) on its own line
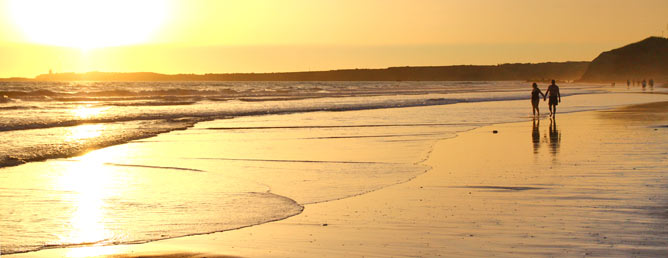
(535, 135)
(554, 136)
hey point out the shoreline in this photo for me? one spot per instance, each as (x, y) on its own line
(207, 243)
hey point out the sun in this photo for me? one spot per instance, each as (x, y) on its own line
(88, 24)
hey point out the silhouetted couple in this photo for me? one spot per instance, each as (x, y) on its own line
(552, 92)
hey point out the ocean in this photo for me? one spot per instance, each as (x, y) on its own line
(104, 163)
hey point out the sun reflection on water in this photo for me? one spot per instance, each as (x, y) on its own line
(87, 112)
(85, 131)
(89, 183)
(92, 251)
(92, 184)
(82, 132)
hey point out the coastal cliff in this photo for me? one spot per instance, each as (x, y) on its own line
(646, 59)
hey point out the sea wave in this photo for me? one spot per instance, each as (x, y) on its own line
(205, 113)
(39, 145)
(121, 94)
(139, 110)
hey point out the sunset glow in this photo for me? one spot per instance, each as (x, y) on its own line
(209, 36)
(87, 24)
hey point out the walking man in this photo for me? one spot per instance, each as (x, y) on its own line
(555, 98)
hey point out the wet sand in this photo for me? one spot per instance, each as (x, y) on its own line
(589, 183)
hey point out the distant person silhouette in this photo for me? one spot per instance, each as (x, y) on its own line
(535, 99)
(644, 83)
(628, 83)
(651, 82)
(555, 97)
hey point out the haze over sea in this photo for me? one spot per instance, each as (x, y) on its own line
(379, 136)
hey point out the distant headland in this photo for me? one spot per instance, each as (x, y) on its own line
(566, 71)
(644, 59)
(638, 61)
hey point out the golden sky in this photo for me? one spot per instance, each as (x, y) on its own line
(200, 36)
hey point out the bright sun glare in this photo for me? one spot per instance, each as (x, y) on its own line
(88, 24)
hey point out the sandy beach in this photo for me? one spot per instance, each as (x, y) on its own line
(583, 184)
(193, 129)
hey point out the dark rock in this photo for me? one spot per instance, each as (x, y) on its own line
(647, 59)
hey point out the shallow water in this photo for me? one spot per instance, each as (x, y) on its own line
(43, 120)
(229, 173)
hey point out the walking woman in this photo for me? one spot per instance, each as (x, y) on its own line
(535, 99)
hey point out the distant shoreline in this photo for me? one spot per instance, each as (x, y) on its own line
(566, 71)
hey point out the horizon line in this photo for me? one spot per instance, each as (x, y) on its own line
(285, 72)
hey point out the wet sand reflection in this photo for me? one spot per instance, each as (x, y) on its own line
(554, 137)
(535, 135)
